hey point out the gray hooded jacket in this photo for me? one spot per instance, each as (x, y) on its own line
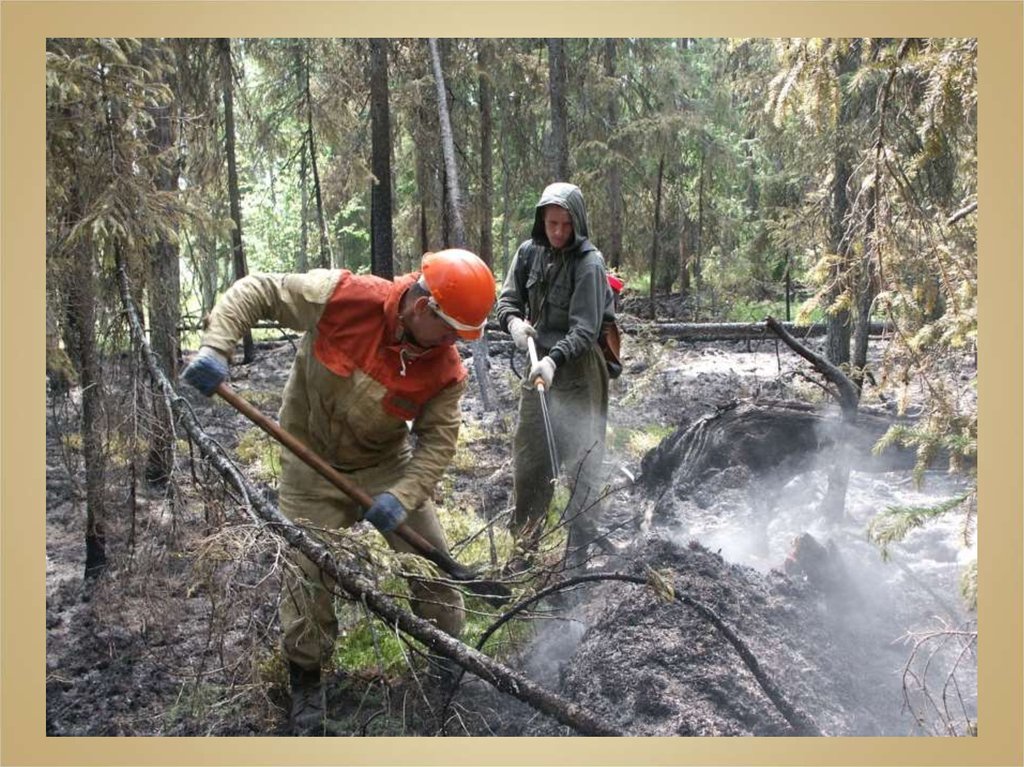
(563, 293)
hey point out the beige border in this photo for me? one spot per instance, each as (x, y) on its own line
(25, 25)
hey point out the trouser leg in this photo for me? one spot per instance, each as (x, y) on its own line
(532, 478)
(580, 412)
(437, 602)
(309, 624)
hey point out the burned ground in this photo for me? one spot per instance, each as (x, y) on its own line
(179, 637)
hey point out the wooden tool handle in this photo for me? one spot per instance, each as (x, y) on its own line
(328, 472)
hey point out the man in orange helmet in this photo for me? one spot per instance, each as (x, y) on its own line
(376, 357)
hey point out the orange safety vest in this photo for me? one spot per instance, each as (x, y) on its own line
(357, 331)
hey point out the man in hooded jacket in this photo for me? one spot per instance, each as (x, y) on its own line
(557, 292)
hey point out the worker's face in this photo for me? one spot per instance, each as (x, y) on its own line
(427, 326)
(557, 226)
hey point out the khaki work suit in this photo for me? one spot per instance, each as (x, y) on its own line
(565, 295)
(351, 421)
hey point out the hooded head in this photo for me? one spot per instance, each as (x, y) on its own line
(570, 198)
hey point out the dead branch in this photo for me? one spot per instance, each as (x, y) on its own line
(962, 213)
(848, 394)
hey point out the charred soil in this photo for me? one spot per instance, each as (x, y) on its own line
(178, 635)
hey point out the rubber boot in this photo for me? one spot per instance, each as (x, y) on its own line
(308, 704)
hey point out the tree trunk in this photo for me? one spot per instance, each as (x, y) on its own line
(839, 331)
(424, 175)
(657, 227)
(451, 170)
(789, 284)
(485, 61)
(699, 239)
(557, 85)
(238, 255)
(164, 298)
(614, 171)
(302, 262)
(458, 230)
(381, 239)
(685, 253)
(506, 209)
(325, 242)
(840, 240)
(81, 315)
(872, 259)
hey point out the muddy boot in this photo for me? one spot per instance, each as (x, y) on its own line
(308, 705)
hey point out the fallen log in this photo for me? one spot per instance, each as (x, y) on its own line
(346, 573)
(739, 331)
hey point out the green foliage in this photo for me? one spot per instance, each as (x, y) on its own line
(755, 311)
(637, 442)
(930, 439)
(368, 644)
(262, 453)
(969, 585)
(896, 522)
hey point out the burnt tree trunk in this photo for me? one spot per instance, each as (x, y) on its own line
(745, 331)
(833, 506)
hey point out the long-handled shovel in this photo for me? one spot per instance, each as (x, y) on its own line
(497, 592)
(548, 432)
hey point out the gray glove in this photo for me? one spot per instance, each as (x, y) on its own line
(544, 370)
(520, 330)
(208, 369)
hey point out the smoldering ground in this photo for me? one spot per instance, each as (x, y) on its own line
(157, 650)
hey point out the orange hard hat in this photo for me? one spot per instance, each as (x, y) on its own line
(461, 289)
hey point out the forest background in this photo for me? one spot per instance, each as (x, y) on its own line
(745, 176)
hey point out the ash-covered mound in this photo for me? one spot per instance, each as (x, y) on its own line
(655, 667)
